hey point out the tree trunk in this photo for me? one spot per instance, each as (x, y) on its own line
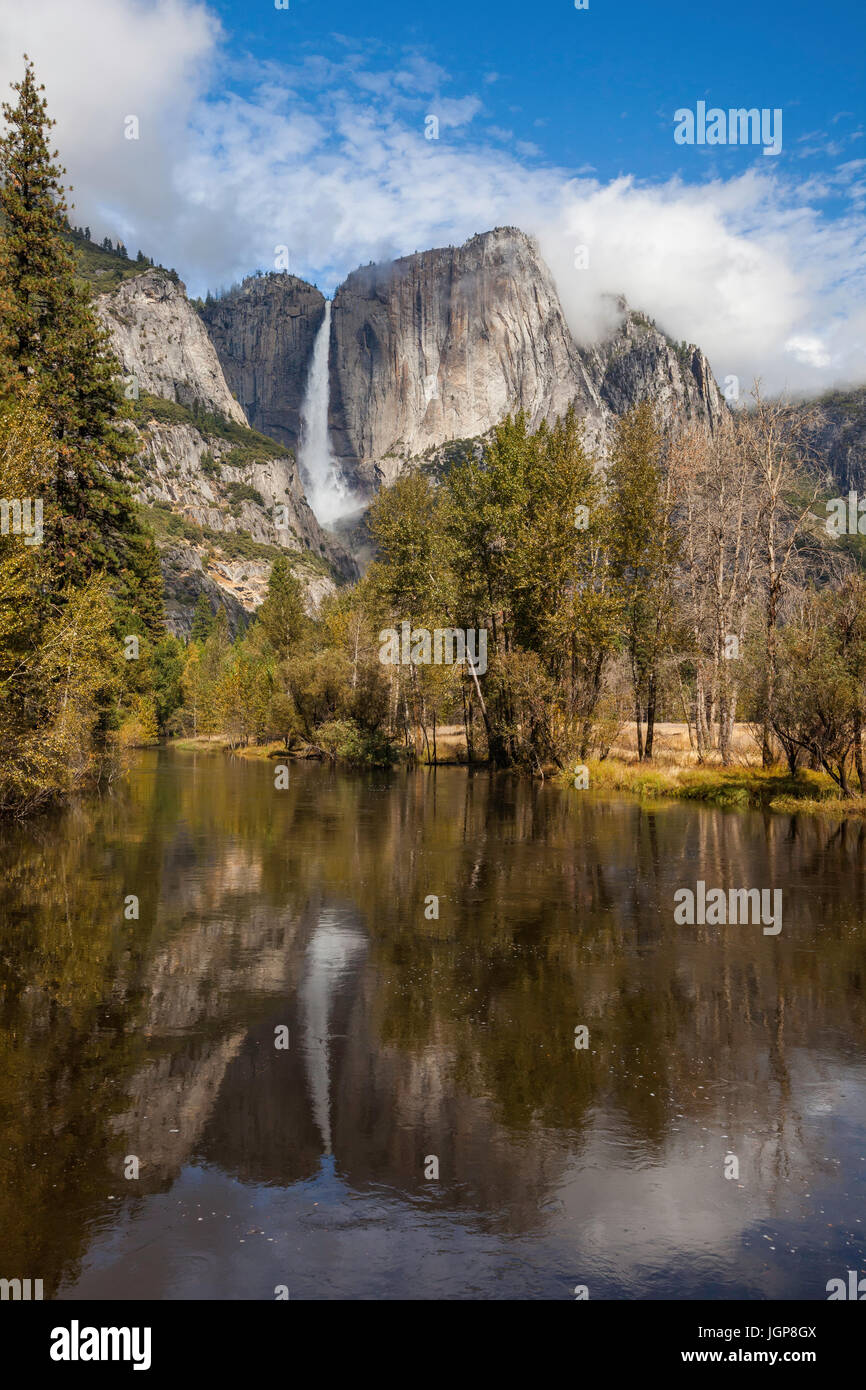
(650, 716)
(701, 732)
(858, 748)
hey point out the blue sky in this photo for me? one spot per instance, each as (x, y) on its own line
(305, 128)
(599, 87)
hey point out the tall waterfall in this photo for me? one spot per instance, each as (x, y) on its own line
(325, 486)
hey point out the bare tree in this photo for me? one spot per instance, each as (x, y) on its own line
(715, 479)
(775, 436)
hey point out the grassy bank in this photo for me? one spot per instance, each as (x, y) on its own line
(735, 787)
(219, 743)
(740, 787)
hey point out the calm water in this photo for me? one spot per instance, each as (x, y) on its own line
(412, 1037)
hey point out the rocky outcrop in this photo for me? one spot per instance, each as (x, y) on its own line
(263, 332)
(233, 511)
(184, 578)
(836, 432)
(225, 499)
(162, 343)
(195, 473)
(638, 362)
(425, 352)
(443, 344)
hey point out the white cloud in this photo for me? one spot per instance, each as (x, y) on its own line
(812, 351)
(329, 158)
(100, 63)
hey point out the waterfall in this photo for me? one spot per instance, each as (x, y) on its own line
(326, 489)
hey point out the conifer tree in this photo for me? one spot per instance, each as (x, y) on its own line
(202, 620)
(282, 617)
(49, 334)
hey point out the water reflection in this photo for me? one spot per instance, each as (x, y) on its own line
(331, 961)
(410, 1038)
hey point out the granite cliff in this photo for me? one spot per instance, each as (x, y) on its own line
(161, 343)
(424, 351)
(263, 332)
(837, 436)
(440, 346)
(224, 499)
(443, 344)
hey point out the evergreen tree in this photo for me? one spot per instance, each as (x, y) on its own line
(202, 620)
(282, 617)
(49, 334)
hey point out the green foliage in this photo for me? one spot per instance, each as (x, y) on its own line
(102, 270)
(282, 618)
(243, 492)
(343, 739)
(49, 336)
(202, 621)
(69, 702)
(248, 446)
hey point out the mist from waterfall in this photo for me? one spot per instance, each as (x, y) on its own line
(327, 491)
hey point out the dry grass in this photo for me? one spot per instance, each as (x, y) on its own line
(732, 787)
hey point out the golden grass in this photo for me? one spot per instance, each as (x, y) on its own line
(771, 790)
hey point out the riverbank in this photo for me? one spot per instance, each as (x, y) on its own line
(734, 787)
(674, 777)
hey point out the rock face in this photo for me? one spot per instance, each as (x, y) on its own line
(225, 499)
(837, 436)
(232, 518)
(438, 347)
(264, 333)
(160, 340)
(442, 345)
(638, 362)
(424, 351)
(185, 578)
(193, 473)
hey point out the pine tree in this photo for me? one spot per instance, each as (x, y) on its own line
(202, 620)
(60, 666)
(282, 617)
(49, 334)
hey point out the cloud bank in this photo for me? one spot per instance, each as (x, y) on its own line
(236, 158)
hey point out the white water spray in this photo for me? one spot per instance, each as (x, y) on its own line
(326, 488)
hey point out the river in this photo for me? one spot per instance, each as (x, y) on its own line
(287, 1075)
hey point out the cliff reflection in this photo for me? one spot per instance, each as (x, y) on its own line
(412, 1037)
